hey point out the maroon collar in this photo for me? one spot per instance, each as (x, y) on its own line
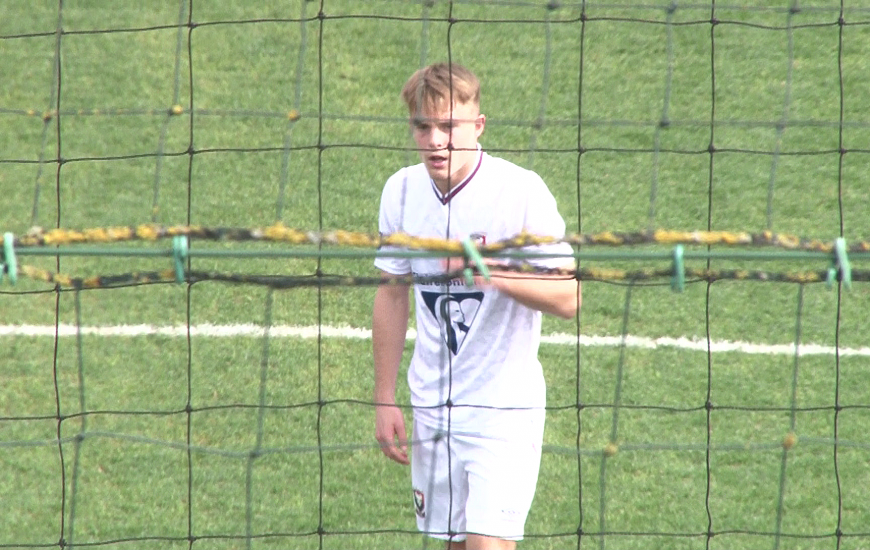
(453, 192)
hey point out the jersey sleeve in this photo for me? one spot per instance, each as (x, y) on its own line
(543, 219)
(389, 222)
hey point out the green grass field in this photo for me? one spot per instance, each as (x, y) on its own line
(222, 440)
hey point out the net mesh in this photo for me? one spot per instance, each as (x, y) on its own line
(149, 405)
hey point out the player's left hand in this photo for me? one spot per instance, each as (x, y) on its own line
(458, 264)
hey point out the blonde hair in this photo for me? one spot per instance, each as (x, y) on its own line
(432, 88)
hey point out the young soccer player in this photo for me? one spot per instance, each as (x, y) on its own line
(477, 387)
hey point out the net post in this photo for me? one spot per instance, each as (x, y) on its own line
(179, 254)
(10, 264)
(678, 279)
(840, 268)
(471, 253)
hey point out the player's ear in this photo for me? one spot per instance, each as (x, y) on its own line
(479, 124)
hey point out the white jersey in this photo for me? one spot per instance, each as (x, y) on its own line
(476, 352)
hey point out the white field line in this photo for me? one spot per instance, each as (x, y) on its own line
(326, 331)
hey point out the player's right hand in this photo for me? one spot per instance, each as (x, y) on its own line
(390, 433)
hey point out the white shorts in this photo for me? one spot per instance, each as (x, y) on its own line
(476, 484)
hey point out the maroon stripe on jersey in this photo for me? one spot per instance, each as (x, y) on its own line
(446, 198)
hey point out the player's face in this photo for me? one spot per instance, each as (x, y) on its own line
(447, 142)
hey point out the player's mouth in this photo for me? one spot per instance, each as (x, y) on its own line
(438, 162)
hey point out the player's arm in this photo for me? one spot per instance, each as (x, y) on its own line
(557, 295)
(389, 328)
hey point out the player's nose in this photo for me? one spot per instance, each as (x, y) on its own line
(438, 139)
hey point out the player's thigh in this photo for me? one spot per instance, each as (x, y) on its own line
(479, 542)
(439, 485)
(502, 477)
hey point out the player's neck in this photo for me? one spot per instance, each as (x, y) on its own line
(445, 186)
(451, 183)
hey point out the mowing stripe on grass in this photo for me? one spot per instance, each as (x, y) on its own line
(327, 331)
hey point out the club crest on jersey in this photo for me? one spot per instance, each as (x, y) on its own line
(420, 503)
(455, 313)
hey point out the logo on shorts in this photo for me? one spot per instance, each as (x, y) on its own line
(419, 503)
